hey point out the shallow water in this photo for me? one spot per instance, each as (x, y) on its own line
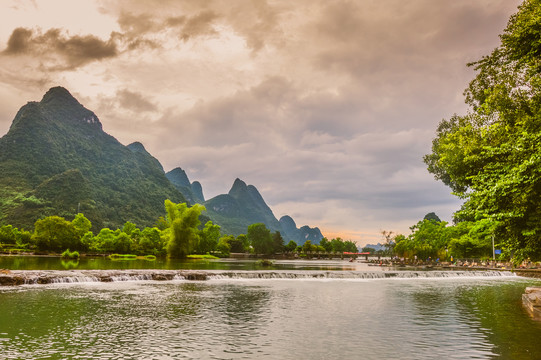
(473, 317)
(104, 263)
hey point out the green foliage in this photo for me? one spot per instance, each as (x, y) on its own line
(337, 245)
(491, 157)
(277, 242)
(327, 245)
(56, 160)
(202, 257)
(236, 245)
(81, 224)
(223, 246)
(431, 239)
(208, 238)
(307, 246)
(67, 254)
(55, 233)
(291, 246)
(432, 217)
(183, 228)
(261, 239)
(13, 236)
(350, 246)
(368, 250)
(123, 257)
(150, 242)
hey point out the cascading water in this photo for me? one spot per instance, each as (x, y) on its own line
(85, 276)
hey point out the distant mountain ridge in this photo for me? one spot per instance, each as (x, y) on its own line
(239, 208)
(300, 236)
(193, 192)
(57, 160)
(242, 206)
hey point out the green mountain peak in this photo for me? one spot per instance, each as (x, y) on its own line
(57, 160)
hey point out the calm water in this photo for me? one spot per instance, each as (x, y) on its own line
(460, 317)
(104, 263)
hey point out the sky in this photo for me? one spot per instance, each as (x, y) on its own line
(327, 107)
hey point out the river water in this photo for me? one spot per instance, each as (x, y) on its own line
(282, 313)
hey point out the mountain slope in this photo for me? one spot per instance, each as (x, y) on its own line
(59, 144)
(291, 232)
(193, 192)
(241, 207)
(244, 205)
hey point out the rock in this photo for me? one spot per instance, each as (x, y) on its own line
(162, 277)
(531, 300)
(195, 276)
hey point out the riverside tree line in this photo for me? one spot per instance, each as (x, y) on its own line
(176, 235)
(491, 157)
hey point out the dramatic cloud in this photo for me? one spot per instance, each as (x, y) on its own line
(327, 107)
(74, 51)
(133, 101)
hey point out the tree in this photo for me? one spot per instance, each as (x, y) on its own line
(129, 228)
(223, 245)
(291, 246)
(56, 233)
(389, 241)
(277, 242)
(350, 246)
(105, 241)
(326, 244)
(150, 242)
(491, 157)
(122, 243)
(368, 250)
(236, 244)
(432, 217)
(13, 236)
(243, 239)
(261, 239)
(183, 228)
(307, 246)
(208, 238)
(337, 245)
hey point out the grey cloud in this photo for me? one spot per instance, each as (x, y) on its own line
(75, 50)
(136, 24)
(400, 37)
(134, 101)
(198, 25)
(140, 27)
(19, 41)
(256, 21)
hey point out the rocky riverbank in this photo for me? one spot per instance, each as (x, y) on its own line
(531, 300)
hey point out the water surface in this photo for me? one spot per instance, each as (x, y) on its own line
(453, 317)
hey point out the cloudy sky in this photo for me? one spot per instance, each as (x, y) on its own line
(327, 107)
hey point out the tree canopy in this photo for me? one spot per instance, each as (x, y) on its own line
(491, 156)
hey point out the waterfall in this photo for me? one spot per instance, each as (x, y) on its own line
(31, 277)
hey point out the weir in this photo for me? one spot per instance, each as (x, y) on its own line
(29, 277)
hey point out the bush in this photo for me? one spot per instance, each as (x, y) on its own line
(70, 255)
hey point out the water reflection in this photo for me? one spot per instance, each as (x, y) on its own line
(69, 264)
(269, 318)
(505, 323)
(104, 263)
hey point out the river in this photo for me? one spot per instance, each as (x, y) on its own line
(349, 310)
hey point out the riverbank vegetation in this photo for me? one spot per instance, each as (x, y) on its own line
(491, 156)
(433, 239)
(179, 234)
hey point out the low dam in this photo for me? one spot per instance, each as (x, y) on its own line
(28, 277)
